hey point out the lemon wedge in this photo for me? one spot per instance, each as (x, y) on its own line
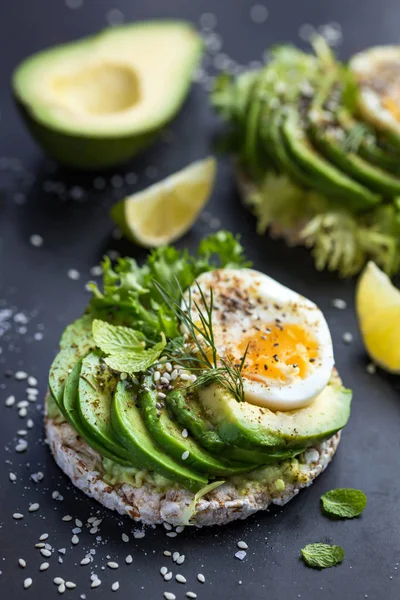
(165, 211)
(378, 311)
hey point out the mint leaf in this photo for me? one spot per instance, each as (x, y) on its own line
(115, 339)
(136, 360)
(344, 502)
(322, 556)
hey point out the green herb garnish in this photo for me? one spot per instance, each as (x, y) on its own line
(322, 556)
(344, 502)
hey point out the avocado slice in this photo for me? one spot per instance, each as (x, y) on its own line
(95, 388)
(70, 401)
(76, 341)
(337, 184)
(95, 102)
(168, 435)
(245, 424)
(129, 427)
(189, 413)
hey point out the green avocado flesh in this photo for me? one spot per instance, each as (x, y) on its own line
(244, 424)
(129, 426)
(95, 102)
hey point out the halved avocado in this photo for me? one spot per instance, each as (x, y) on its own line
(336, 184)
(245, 424)
(95, 389)
(168, 435)
(70, 402)
(76, 341)
(129, 427)
(95, 102)
(190, 414)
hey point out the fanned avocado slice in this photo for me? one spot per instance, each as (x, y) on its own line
(95, 388)
(76, 341)
(168, 435)
(329, 138)
(338, 185)
(245, 424)
(129, 427)
(189, 414)
(70, 401)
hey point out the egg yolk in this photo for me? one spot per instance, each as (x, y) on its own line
(276, 351)
(392, 105)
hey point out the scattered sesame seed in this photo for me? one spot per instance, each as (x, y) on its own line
(34, 507)
(67, 517)
(191, 595)
(184, 433)
(70, 585)
(22, 413)
(10, 401)
(167, 553)
(93, 530)
(125, 538)
(32, 381)
(161, 395)
(74, 540)
(180, 560)
(168, 576)
(30, 424)
(174, 375)
(347, 337)
(180, 578)
(179, 529)
(39, 545)
(58, 580)
(171, 534)
(44, 537)
(201, 578)
(18, 516)
(169, 596)
(20, 375)
(163, 571)
(339, 303)
(156, 375)
(73, 274)
(12, 477)
(22, 563)
(185, 377)
(185, 455)
(129, 559)
(242, 545)
(371, 368)
(44, 566)
(55, 495)
(46, 553)
(175, 556)
(85, 561)
(28, 582)
(138, 535)
(112, 565)
(240, 555)
(22, 444)
(95, 583)
(61, 588)
(168, 527)
(115, 586)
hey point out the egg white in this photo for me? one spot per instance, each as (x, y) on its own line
(245, 299)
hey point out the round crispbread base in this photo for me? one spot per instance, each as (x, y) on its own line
(149, 505)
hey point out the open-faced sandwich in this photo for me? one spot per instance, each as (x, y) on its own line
(194, 389)
(316, 144)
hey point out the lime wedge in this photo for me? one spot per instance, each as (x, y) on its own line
(165, 211)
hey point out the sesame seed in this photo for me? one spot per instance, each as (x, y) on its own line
(180, 560)
(123, 376)
(55, 495)
(129, 559)
(95, 583)
(10, 401)
(43, 537)
(34, 507)
(138, 535)
(174, 375)
(23, 404)
(22, 563)
(74, 540)
(240, 555)
(171, 534)
(93, 530)
(180, 578)
(347, 337)
(18, 516)
(191, 595)
(175, 556)
(46, 553)
(73, 274)
(168, 367)
(168, 527)
(163, 571)
(112, 565)
(339, 303)
(115, 586)
(156, 375)
(44, 566)
(70, 585)
(201, 578)
(185, 455)
(168, 576)
(28, 582)
(67, 517)
(371, 369)
(85, 561)
(61, 588)
(186, 377)
(12, 477)
(58, 580)
(167, 553)
(125, 538)
(29, 423)
(39, 545)
(20, 375)
(32, 381)
(169, 596)
(184, 433)
(179, 529)
(22, 413)
(161, 395)
(242, 545)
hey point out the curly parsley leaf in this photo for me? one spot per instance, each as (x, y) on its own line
(322, 556)
(346, 503)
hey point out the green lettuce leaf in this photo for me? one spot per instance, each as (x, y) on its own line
(322, 556)
(346, 503)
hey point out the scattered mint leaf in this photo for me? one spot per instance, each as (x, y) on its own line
(322, 556)
(136, 360)
(115, 339)
(344, 502)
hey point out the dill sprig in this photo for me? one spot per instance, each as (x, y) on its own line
(203, 357)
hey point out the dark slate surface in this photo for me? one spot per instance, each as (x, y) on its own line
(77, 232)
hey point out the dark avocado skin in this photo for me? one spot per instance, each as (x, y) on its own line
(168, 435)
(189, 414)
(130, 429)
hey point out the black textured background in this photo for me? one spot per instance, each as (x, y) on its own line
(77, 232)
